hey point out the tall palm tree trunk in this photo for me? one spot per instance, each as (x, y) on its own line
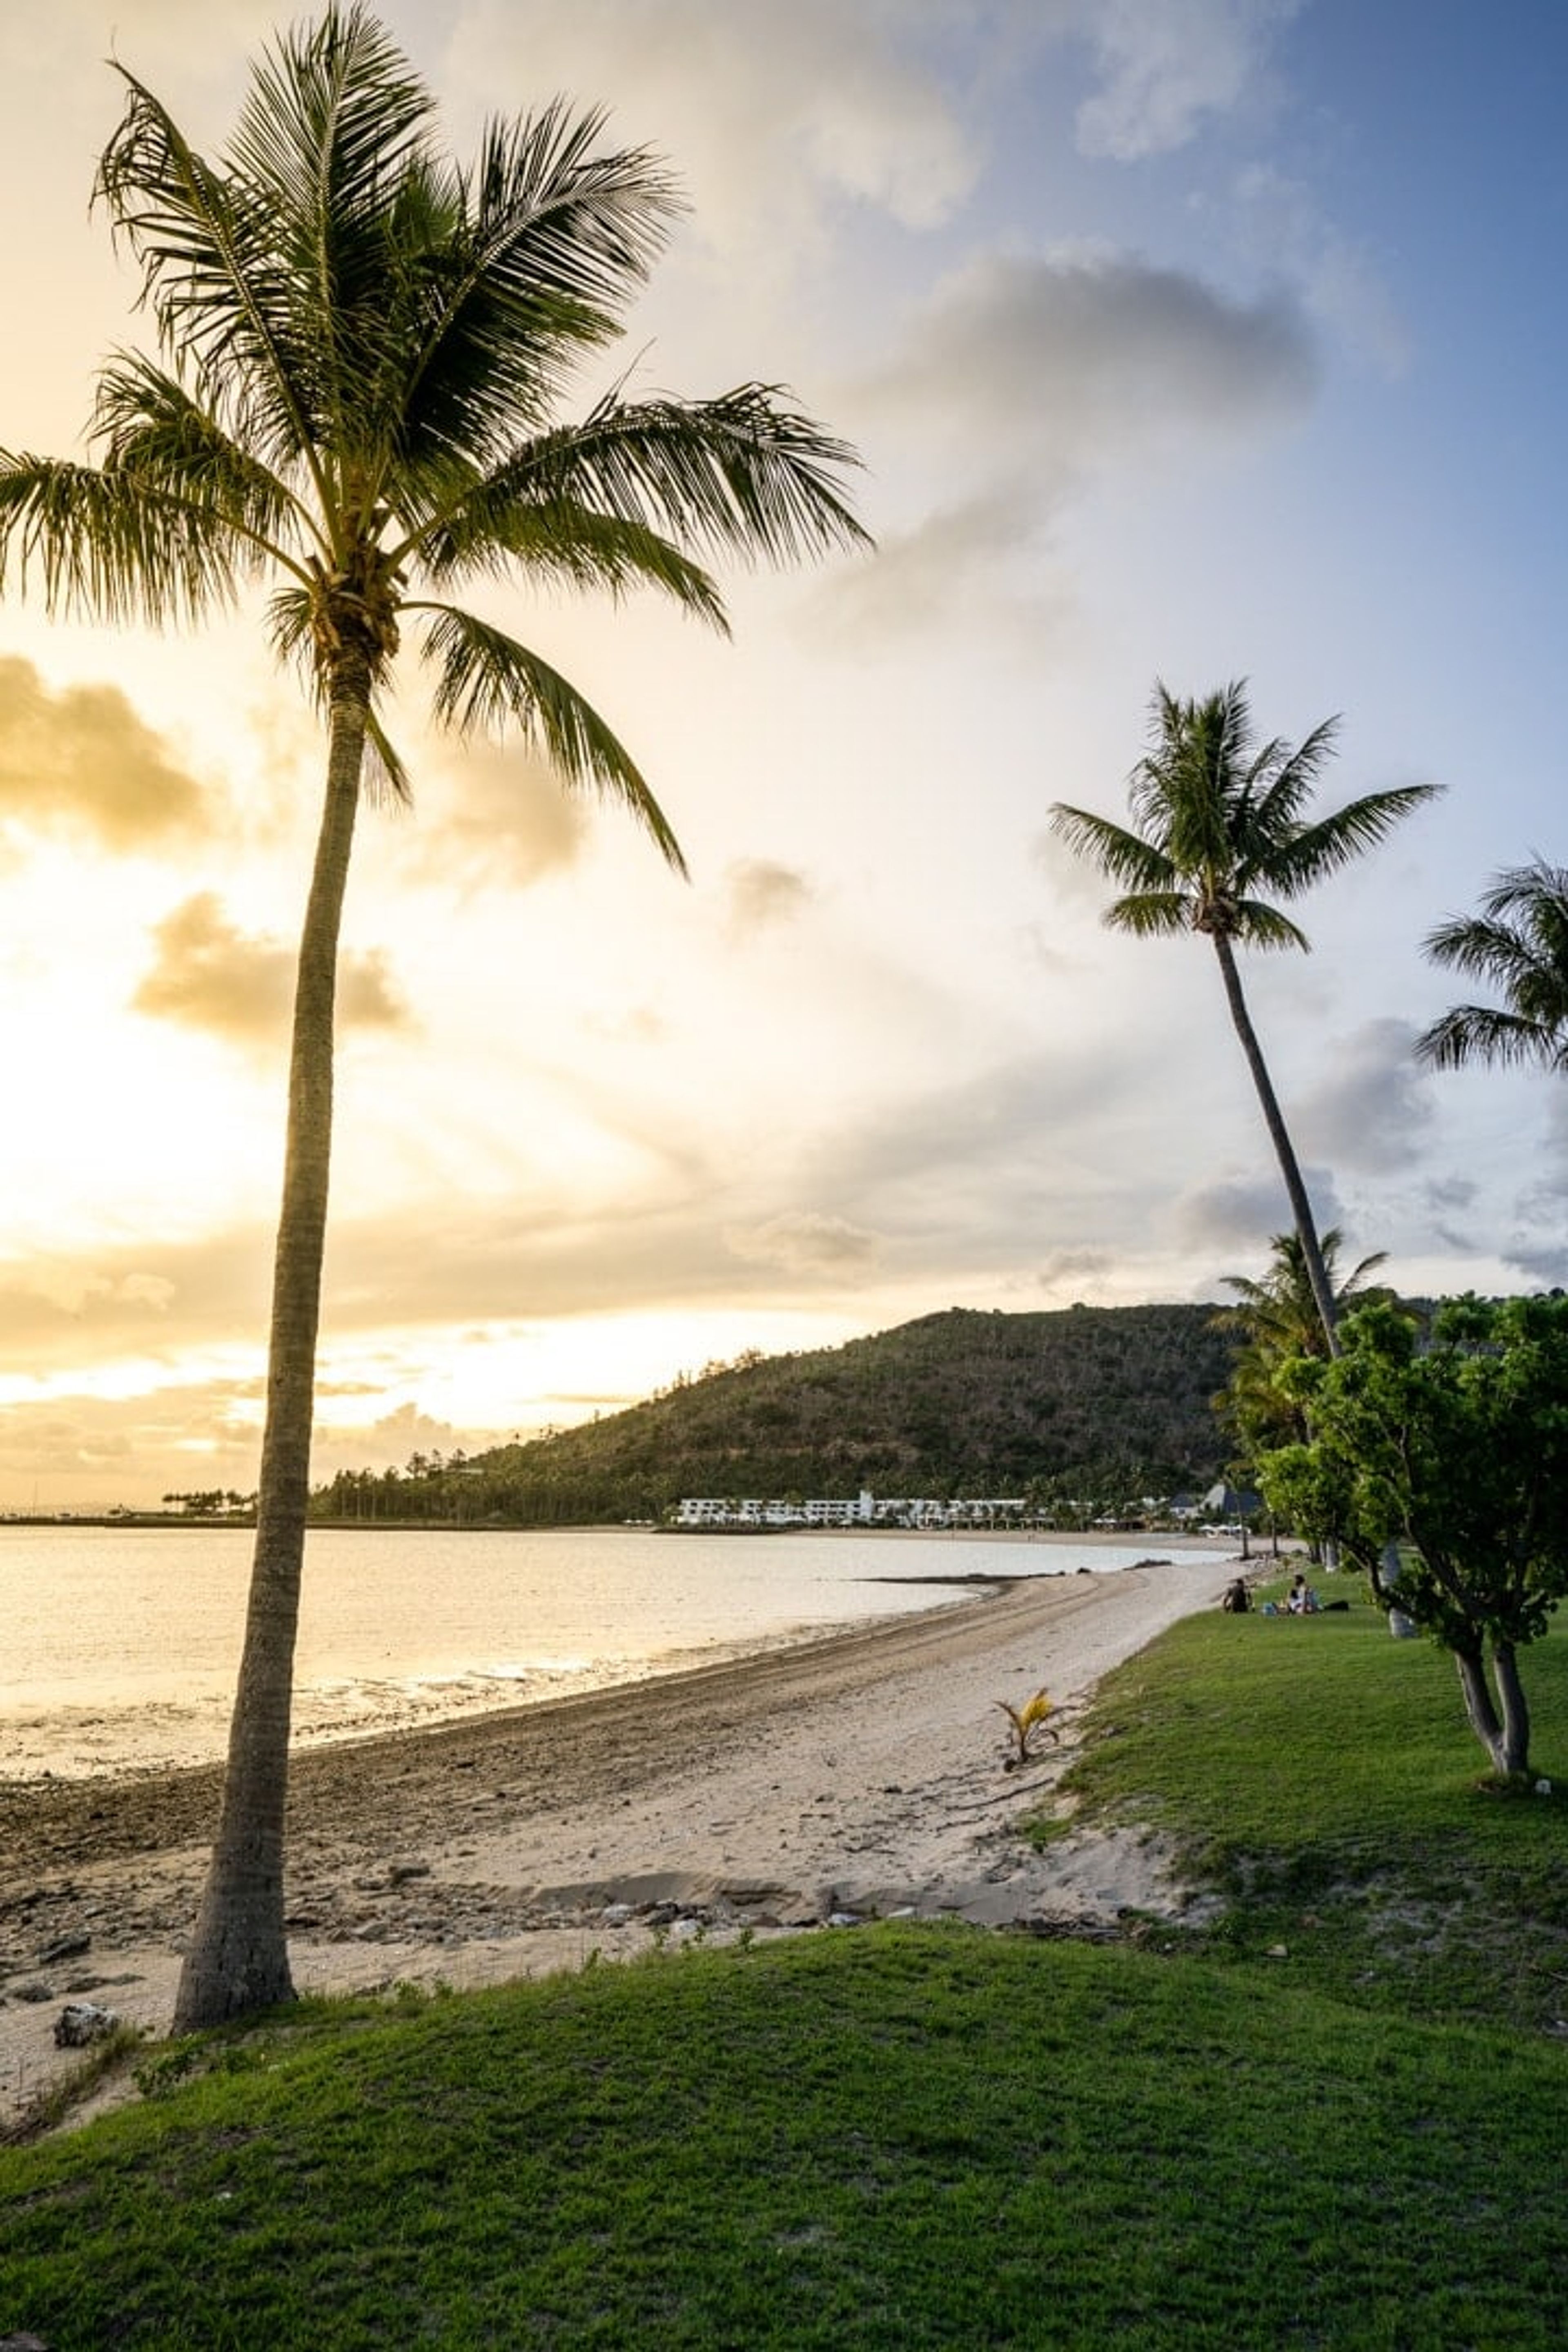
(1300, 1207)
(238, 1958)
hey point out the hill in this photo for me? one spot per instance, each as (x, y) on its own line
(1102, 1401)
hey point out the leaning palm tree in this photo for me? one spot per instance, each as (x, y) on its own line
(363, 349)
(1220, 832)
(1518, 945)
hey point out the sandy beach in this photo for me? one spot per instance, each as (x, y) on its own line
(854, 1776)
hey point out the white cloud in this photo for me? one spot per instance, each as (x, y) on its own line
(806, 1242)
(1284, 232)
(493, 816)
(1169, 66)
(768, 114)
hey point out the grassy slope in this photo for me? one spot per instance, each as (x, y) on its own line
(903, 2137)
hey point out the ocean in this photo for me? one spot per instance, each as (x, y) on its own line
(119, 1646)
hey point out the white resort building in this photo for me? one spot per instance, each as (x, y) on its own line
(863, 1510)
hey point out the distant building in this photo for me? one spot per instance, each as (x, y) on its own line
(863, 1510)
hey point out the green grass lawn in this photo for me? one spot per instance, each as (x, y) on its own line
(1325, 1778)
(908, 2136)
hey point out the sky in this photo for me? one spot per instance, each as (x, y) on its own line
(1180, 339)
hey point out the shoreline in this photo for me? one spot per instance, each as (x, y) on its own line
(847, 1775)
(71, 1711)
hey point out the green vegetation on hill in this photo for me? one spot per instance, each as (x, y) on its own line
(1100, 1402)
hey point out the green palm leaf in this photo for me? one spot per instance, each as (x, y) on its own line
(1518, 944)
(107, 543)
(486, 683)
(743, 475)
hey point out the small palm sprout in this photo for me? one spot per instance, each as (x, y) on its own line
(1029, 1723)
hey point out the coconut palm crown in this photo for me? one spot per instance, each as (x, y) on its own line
(1518, 944)
(1220, 834)
(362, 350)
(1276, 1316)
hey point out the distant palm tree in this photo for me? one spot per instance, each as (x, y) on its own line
(363, 350)
(1276, 1317)
(1519, 942)
(1219, 833)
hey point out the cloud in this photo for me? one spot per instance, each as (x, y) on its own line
(78, 760)
(1170, 64)
(1375, 1113)
(500, 817)
(806, 1242)
(1078, 356)
(968, 555)
(1545, 1262)
(209, 975)
(1067, 1269)
(1245, 1212)
(1283, 229)
(770, 115)
(760, 892)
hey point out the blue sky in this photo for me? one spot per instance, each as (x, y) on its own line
(1188, 339)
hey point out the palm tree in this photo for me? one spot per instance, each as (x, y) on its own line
(363, 348)
(1519, 942)
(1276, 1317)
(1219, 833)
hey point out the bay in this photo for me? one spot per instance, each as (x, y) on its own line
(118, 1646)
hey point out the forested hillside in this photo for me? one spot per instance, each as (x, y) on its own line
(1103, 1400)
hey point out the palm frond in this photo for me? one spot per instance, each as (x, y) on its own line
(569, 544)
(1519, 942)
(106, 543)
(333, 140)
(548, 243)
(1483, 946)
(213, 274)
(289, 613)
(1150, 914)
(1488, 1032)
(487, 682)
(1254, 923)
(1126, 859)
(744, 475)
(149, 425)
(387, 777)
(1536, 893)
(1281, 780)
(333, 118)
(1337, 840)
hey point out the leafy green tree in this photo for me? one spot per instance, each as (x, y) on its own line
(1457, 1452)
(1219, 834)
(1518, 945)
(364, 348)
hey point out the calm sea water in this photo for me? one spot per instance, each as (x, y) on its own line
(118, 1645)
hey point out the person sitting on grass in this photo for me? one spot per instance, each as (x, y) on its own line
(1302, 1601)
